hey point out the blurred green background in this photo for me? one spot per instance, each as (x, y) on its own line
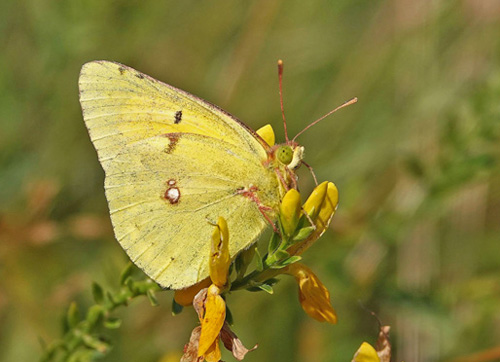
(416, 237)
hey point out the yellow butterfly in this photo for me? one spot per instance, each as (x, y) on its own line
(172, 163)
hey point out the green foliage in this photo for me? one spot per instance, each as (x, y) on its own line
(84, 339)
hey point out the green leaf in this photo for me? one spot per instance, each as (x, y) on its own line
(238, 263)
(97, 293)
(303, 233)
(96, 344)
(111, 298)
(129, 282)
(73, 316)
(113, 323)
(229, 316)
(152, 297)
(258, 259)
(265, 287)
(285, 262)
(259, 286)
(82, 355)
(291, 260)
(127, 272)
(94, 315)
(273, 243)
(176, 308)
(281, 254)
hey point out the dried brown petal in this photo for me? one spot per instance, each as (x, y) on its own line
(233, 343)
(383, 346)
(199, 303)
(191, 348)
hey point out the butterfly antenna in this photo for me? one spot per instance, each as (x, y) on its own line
(280, 76)
(348, 103)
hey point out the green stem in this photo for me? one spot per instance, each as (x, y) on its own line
(255, 277)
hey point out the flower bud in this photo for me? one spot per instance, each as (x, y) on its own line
(320, 206)
(366, 353)
(267, 134)
(314, 201)
(290, 211)
(328, 208)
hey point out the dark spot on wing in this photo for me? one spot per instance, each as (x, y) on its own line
(139, 75)
(122, 70)
(173, 138)
(178, 117)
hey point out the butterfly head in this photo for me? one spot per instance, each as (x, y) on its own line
(290, 155)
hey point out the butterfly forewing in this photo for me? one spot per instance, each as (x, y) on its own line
(122, 105)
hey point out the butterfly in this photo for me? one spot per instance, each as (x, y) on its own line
(172, 163)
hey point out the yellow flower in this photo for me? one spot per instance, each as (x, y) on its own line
(219, 255)
(313, 295)
(218, 264)
(211, 307)
(215, 306)
(211, 324)
(320, 207)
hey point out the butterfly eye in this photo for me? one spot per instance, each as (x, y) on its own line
(285, 154)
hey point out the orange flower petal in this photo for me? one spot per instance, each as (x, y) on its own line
(185, 297)
(313, 295)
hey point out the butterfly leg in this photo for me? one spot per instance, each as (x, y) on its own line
(263, 210)
(250, 193)
(283, 181)
(293, 179)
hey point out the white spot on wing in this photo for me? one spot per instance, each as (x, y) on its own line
(173, 195)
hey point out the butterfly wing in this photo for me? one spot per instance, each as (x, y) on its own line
(173, 163)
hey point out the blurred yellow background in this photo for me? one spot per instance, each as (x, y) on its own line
(416, 237)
